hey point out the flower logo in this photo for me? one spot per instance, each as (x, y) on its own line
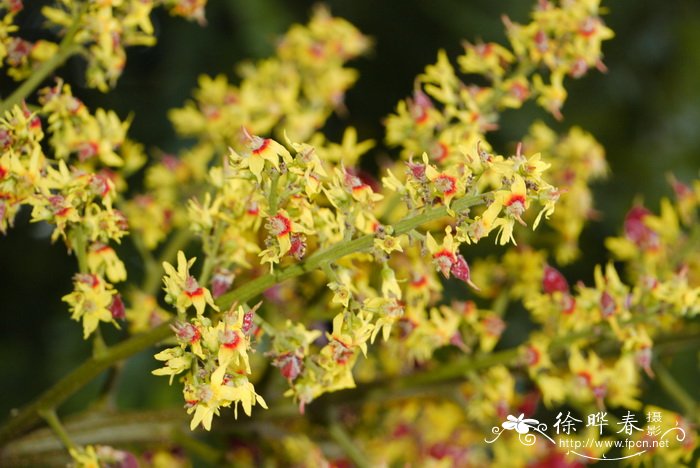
(520, 424)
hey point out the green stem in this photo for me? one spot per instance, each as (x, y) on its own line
(147, 427)
(74, 381)
(273, 198)
(80, 248)
(211, 251)
(342, 438)
(258, 285)
(66, 49)
(198, 448)
(688, 405)
(94, 366)
(52, 420)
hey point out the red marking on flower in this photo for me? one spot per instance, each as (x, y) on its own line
(419, 282)
(444, 260)
(553, 280)
(608, 306)
(484, 50)
(588, 27)
(460, 270)
(357, 181)
(171, 162)
(440, 151)
(100, 247)
(230, 98)
(519, 91)
(63, 212)
(439, 450)
(261, 146)
(637, 231)
(643, 358)
(253, 208)
(493, 325)
(406, 327)
(211, 112)
(579, 68)
(87, 150)
(117, 308)
(99, 184)
(35, 123)
(317, 50)
(529, 404)
(120, 220)
(599, 392)
(290, 365)
(516, 198)
(457, 341)
(3, 172)
(446, 184)
(681, 190)
(191, 403)
(417, 170)
(298, 246)
(532, 356)
(420, 106)
(585, 377)
(401, 429)
(196, 293)
(568, 304)
(17, 50)
(192, 288)
(221, 282)
(230, 339)
(16, 6)
(248, 321)
(340, 463)
(341, 351)
(5, 138)
(279, 225)
(87, 278)
(187, 333)
(541, 41)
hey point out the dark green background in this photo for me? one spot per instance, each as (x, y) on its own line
(645, 111)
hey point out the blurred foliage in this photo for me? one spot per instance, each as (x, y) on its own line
(645, 112)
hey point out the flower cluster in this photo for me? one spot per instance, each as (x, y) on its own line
(77, 201)
(214, 355)
(366, 279)
(444, 114)
(300, 86)
(102, 30)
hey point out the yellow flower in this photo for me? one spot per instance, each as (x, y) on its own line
(102, 259)
(182, 289)
(90, 301)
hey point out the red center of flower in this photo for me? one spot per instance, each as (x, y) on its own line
(444, 260)
(446, 184)
(230, 339)
(259, 145)
(519, 91)
(516, 198)
(253, 208)
(279, 225)
(532, 356)
(192, 288)
(607, 304)
(440, 151)
(419, 281)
